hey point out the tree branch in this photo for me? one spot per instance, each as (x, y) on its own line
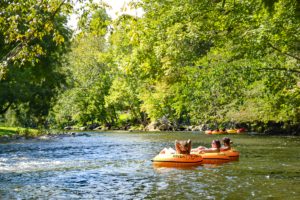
(283, 69)
(18, 48)
(282, 52)
(223, 4)
(170, 110)
(137, 117)
(4, 111)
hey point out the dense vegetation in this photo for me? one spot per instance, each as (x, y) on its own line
(198, 61)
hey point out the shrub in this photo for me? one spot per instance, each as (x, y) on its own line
(25, 132)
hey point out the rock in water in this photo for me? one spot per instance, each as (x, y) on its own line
(196, 128)
(152, 126)
(163, 127)
(44, 137)
(93, 126)
(19, 136)
(98, 128)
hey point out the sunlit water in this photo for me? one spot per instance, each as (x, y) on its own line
(116, 165)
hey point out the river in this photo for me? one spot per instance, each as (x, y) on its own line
(116, 165)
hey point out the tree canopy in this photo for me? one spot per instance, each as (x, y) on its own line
(210, 60)
(23, 22)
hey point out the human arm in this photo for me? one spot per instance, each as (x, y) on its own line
(209, 151)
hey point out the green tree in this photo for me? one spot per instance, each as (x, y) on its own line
(34, 87)
(89, 82)
(23, 22)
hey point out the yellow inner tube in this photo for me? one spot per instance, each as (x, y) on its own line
(232, 131)
(219, 132)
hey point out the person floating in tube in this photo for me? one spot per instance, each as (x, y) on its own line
(215, 148)
(226, 144)
(182, 147)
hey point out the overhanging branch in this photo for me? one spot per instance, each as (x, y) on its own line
(282, 52)
(4, 111)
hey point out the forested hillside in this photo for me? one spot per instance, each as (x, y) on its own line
(209, 61)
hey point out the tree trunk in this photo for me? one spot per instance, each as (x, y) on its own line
(170, 110)
(137, 117)
(115, 114)
(187, 117)
(145, 118)
(249, 127)
(142, 116)
(111, 117)
(181, 118)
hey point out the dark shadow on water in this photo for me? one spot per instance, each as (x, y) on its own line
(179, 168)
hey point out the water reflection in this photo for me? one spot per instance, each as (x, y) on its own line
(118, 166)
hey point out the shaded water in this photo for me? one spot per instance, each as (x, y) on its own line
(116, 165)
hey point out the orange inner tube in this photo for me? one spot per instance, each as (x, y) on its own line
(232, 154)
(212, 158)
(177, 160)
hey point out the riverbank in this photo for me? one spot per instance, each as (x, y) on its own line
(10, 131)
(16, 133)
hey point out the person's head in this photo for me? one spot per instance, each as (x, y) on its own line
(216, 144)
(226, 141)
(184, 145)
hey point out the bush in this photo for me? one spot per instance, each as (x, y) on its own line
(25, 132)
(259, 129)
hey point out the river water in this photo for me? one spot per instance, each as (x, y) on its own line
(116, 165)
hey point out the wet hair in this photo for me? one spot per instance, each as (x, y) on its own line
(184, 144)
(226, 140)
(217, 142)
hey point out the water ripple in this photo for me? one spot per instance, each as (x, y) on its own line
(118, 166)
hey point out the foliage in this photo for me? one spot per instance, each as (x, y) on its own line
(209, 61)
(89, 82)
(23, 22)
(31, 91)
(248, 59)
(11, 130)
